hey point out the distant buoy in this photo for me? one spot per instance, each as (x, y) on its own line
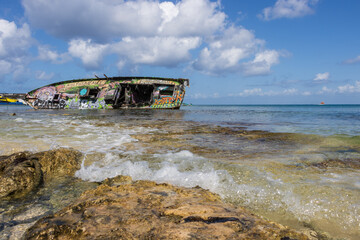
(322, 103)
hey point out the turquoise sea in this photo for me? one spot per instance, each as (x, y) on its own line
(298, 165)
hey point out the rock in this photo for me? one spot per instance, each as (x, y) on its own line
(18, 230)
(22, 172)
(59, 162)
(122, 209)
(339, 163)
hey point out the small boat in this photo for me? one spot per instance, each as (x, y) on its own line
(110, 93)
(6, 100)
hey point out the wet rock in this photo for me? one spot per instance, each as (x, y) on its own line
(21, 173)
(59, 162)
(339, 163)
(32, 212)
(122, 209)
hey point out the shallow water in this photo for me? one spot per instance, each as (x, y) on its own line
(296, 165)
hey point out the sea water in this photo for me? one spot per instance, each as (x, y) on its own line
(298, 165)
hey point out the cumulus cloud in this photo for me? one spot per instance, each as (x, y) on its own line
(14, 43)
(160, 51)
(225, 51)
(102, 20)
(95, 19)
(232, 51)
(343, 89)
(288, 9)
(151, 32)
(322, 76)
(352, 60)
(90, 53)
(45, 54)
(348, 88)
(262, 63)
(139, 31)
(191, 18)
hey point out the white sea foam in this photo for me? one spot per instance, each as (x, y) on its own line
(19, 120)
(181, 168)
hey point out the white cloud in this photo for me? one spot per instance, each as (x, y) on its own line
(231, 52)
(262, 63)
(95, 19)
(191, 18)
(352, 60)
(139, 31)
(251, 92)
(204, 96)
(14, 44)
(161, 51)
(288, 9)
(348, 88)
(260, 92)
(14, 41)
(343, 89)
(103, 20)
(91, 54)
(45, 54)
(322, 76)
(151, 32)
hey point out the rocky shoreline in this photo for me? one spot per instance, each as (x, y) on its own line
(120, 208)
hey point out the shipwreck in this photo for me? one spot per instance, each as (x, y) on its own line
(110, 93)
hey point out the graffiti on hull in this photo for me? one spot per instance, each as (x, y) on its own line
(107, 93)
(169, 102)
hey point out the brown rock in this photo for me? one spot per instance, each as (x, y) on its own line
(59, 162)
(19, 174)
(22, 172)
(121, 209)
(339, 163)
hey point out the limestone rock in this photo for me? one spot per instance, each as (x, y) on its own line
(59, 162)
(22, 172)
(122, 209)
(19, 174)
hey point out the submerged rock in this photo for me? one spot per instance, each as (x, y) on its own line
(339, 163)
(20, 173)
(122, 209)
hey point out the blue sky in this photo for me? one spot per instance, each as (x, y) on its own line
(233, 51)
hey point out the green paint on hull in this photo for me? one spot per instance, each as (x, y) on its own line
(110, 93)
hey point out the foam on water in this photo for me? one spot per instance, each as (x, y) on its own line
(180, 168)
(266, 192)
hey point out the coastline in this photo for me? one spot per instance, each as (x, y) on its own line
(122, 208)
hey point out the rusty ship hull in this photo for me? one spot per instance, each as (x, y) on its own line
(110, 93)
